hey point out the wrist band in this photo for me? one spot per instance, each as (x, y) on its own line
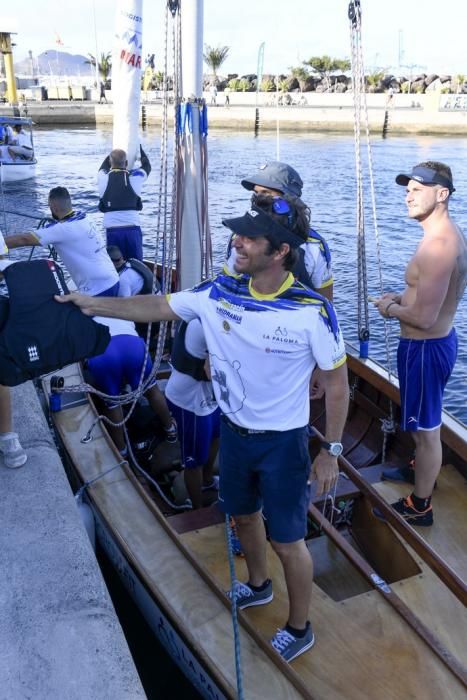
(388, 307)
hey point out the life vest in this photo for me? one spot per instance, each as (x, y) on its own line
(145, 273)
(299, 270)
(40, 335)
(119, 195)
(182, 360)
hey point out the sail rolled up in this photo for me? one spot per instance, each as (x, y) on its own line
(126, 76)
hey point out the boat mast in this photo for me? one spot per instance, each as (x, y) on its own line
(192, 220)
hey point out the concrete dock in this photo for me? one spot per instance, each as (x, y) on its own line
(431, 113)
(59, 633)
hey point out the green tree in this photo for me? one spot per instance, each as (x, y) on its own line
(234, 84)
(267, 85)
(301, 74)
(325, 65)
(215, 57)
(104, 66)
(374, 78)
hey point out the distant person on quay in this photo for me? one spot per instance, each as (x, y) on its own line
(102, 95)
(265, 333)
(435, 277)
(79, 244)
(10, 447)
(120, 201)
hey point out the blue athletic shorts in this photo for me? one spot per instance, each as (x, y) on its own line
(110, 292)
(196, 434)
(128, 238)
(270, 471)
(424, 367)
(120, 364)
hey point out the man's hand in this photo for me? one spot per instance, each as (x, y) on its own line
(383, 302)
(326, 472)
(317, 384)
(84, 301)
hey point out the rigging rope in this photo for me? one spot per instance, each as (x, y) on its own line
(361, 115)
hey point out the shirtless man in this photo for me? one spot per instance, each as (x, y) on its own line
(436, 278)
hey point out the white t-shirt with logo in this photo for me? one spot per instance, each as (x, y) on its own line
(263, 348)
(82, 248)
(186, 391)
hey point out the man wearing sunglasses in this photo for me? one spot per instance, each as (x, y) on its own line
(313, 266)
(264, 333)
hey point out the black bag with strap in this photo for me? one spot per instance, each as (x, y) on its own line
(38, 334)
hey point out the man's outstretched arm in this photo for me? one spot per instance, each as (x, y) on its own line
(141, 309)
(21, 239)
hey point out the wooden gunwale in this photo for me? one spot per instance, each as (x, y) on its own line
(390, 595)
(423, 549)
(453, 433)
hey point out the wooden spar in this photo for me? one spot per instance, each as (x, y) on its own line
(423, 549)
(387, 592)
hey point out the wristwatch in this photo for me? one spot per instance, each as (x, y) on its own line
(334, 448)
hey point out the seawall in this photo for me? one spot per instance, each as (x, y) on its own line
(406, 114)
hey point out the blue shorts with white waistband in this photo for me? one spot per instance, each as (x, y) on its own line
(424, 367)
(196, 434)
(120, 364)
(266, 470)
(128, 238)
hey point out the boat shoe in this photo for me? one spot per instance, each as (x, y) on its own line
(288, 646)
(13, 454)
(405, 508)
(246, 597)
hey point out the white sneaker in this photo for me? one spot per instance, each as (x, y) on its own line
(13, 454)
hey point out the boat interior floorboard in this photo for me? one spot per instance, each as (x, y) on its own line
(367, 637)
(448, 535)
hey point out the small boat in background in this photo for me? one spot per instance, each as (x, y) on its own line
(20, 168)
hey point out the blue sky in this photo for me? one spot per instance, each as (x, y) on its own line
(431, 33)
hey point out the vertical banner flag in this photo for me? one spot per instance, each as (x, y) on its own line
(126, 77)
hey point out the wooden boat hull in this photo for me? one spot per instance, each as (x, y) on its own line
(176, 570)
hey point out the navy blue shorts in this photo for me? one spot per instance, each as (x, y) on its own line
(128, 238)
(424, 367)
(196, 434)
(120, 364)
(110, 292)
(270, 471)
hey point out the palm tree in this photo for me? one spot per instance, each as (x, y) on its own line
(104, 65)
(215, 57)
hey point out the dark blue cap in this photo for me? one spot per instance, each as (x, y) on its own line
(425, 176)
(256, 222)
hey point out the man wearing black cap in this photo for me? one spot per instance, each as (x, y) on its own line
(265, 333)
(436, 277)
(313, 266)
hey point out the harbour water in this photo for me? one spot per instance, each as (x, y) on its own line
(72, 156)
(326, 162)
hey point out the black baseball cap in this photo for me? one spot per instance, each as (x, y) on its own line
(425, 176)
(276, 176)
(256, 223)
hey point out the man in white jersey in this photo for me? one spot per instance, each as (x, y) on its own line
(80, 246)
(265, 333)
(10, 448)
(313, 266)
